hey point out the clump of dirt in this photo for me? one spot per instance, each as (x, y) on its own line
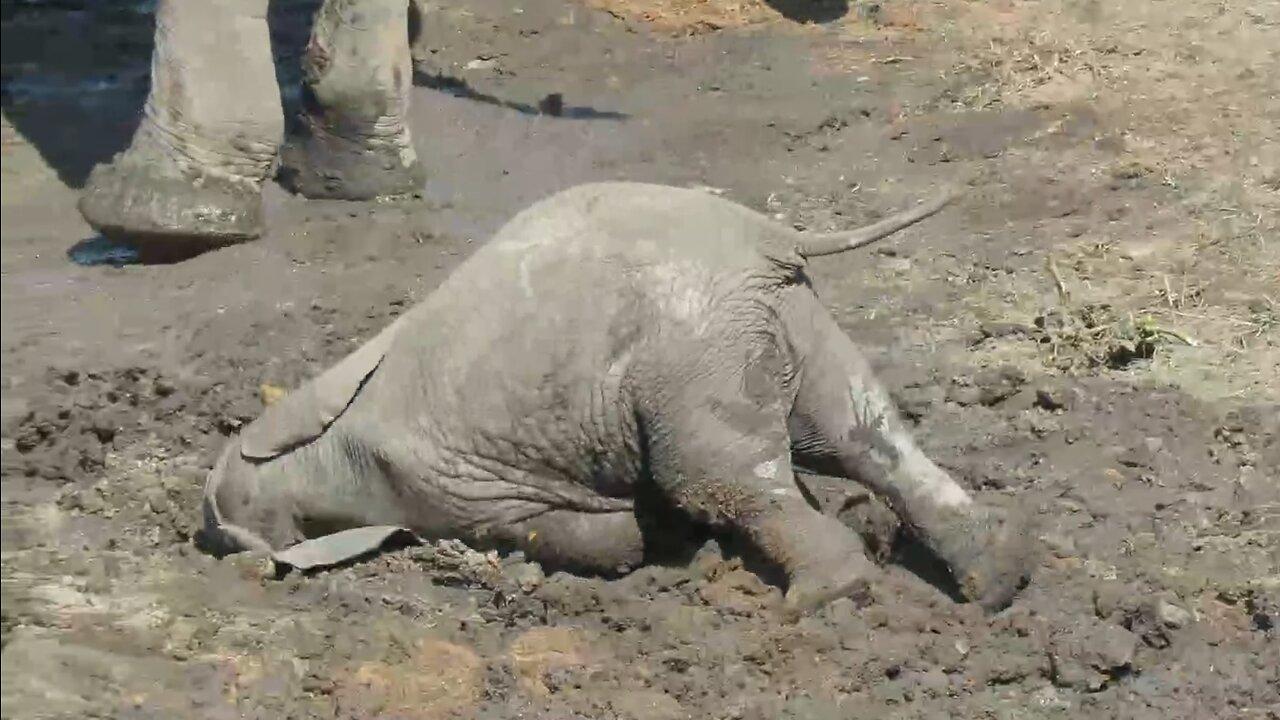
(66, 432)
(691, 17)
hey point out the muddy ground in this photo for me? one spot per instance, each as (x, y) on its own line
(1093, 332)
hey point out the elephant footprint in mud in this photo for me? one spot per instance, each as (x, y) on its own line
(611, 338)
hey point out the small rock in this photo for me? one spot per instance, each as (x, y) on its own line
(709, 560)
(253, 566)
(91, 502)
(1153, 618)
(916, 403)
(1052, 322)
(173, 486)
(842, 609)
(156, 499)
(999, 329)
(1062, 546)
(736, 591)
(1051, 398)
(1114, 647)
(973, 338)
(1171, 615)
(163, 387)
(1090, 655)
(964, 395)
(1264, 607)
(1059, 396)
(528, 576)
(1048, 697)
(182, 636)
(1136, 458)
(1111, 598)
(998, 384)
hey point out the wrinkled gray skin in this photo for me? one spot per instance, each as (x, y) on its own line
(610, 338)
(212, 127)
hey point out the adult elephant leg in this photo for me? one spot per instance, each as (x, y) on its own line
(844, 423)
(192, 176)
(353, 141)
(718, 448)
(419, 43)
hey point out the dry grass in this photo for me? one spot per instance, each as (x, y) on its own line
(1188, 86)
(690, 17)
(1191, 82)
(1185, 88)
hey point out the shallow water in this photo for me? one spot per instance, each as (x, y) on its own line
(99, 250)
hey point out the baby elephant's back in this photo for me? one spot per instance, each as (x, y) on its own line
(533, 341)
(518, 359)
(640, 223)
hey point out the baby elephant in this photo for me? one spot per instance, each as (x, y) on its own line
(611, 339)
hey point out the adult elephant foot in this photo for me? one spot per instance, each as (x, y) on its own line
(353, 142)
(191, 179)
(322, 164)
(168, 212)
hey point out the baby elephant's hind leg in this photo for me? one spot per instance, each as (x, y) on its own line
(719, 451)
(845, 423)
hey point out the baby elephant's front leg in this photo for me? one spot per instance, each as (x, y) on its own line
(720, 451)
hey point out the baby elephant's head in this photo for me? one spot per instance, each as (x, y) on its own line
(240, 513)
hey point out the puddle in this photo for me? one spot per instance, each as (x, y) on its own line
(100, 250)
(82, 90)
(140, 7)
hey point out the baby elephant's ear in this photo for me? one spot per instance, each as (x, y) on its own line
(304, 414)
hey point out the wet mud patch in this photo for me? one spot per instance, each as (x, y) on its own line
(1157, 562)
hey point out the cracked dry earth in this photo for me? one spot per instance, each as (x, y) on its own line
(1091, 331)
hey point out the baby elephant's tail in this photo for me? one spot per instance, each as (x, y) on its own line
(831, 243)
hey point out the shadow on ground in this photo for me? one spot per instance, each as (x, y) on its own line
(552, 104)
(76, 73)
(816, 11)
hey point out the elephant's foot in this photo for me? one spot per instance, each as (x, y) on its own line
(354, 143)
(989, 550)
(824, 560)
(317, 164)
(191, 178)
(420, 45)
(169, 213)
(813, 587)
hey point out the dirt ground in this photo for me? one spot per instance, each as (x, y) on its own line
(1093, 331)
